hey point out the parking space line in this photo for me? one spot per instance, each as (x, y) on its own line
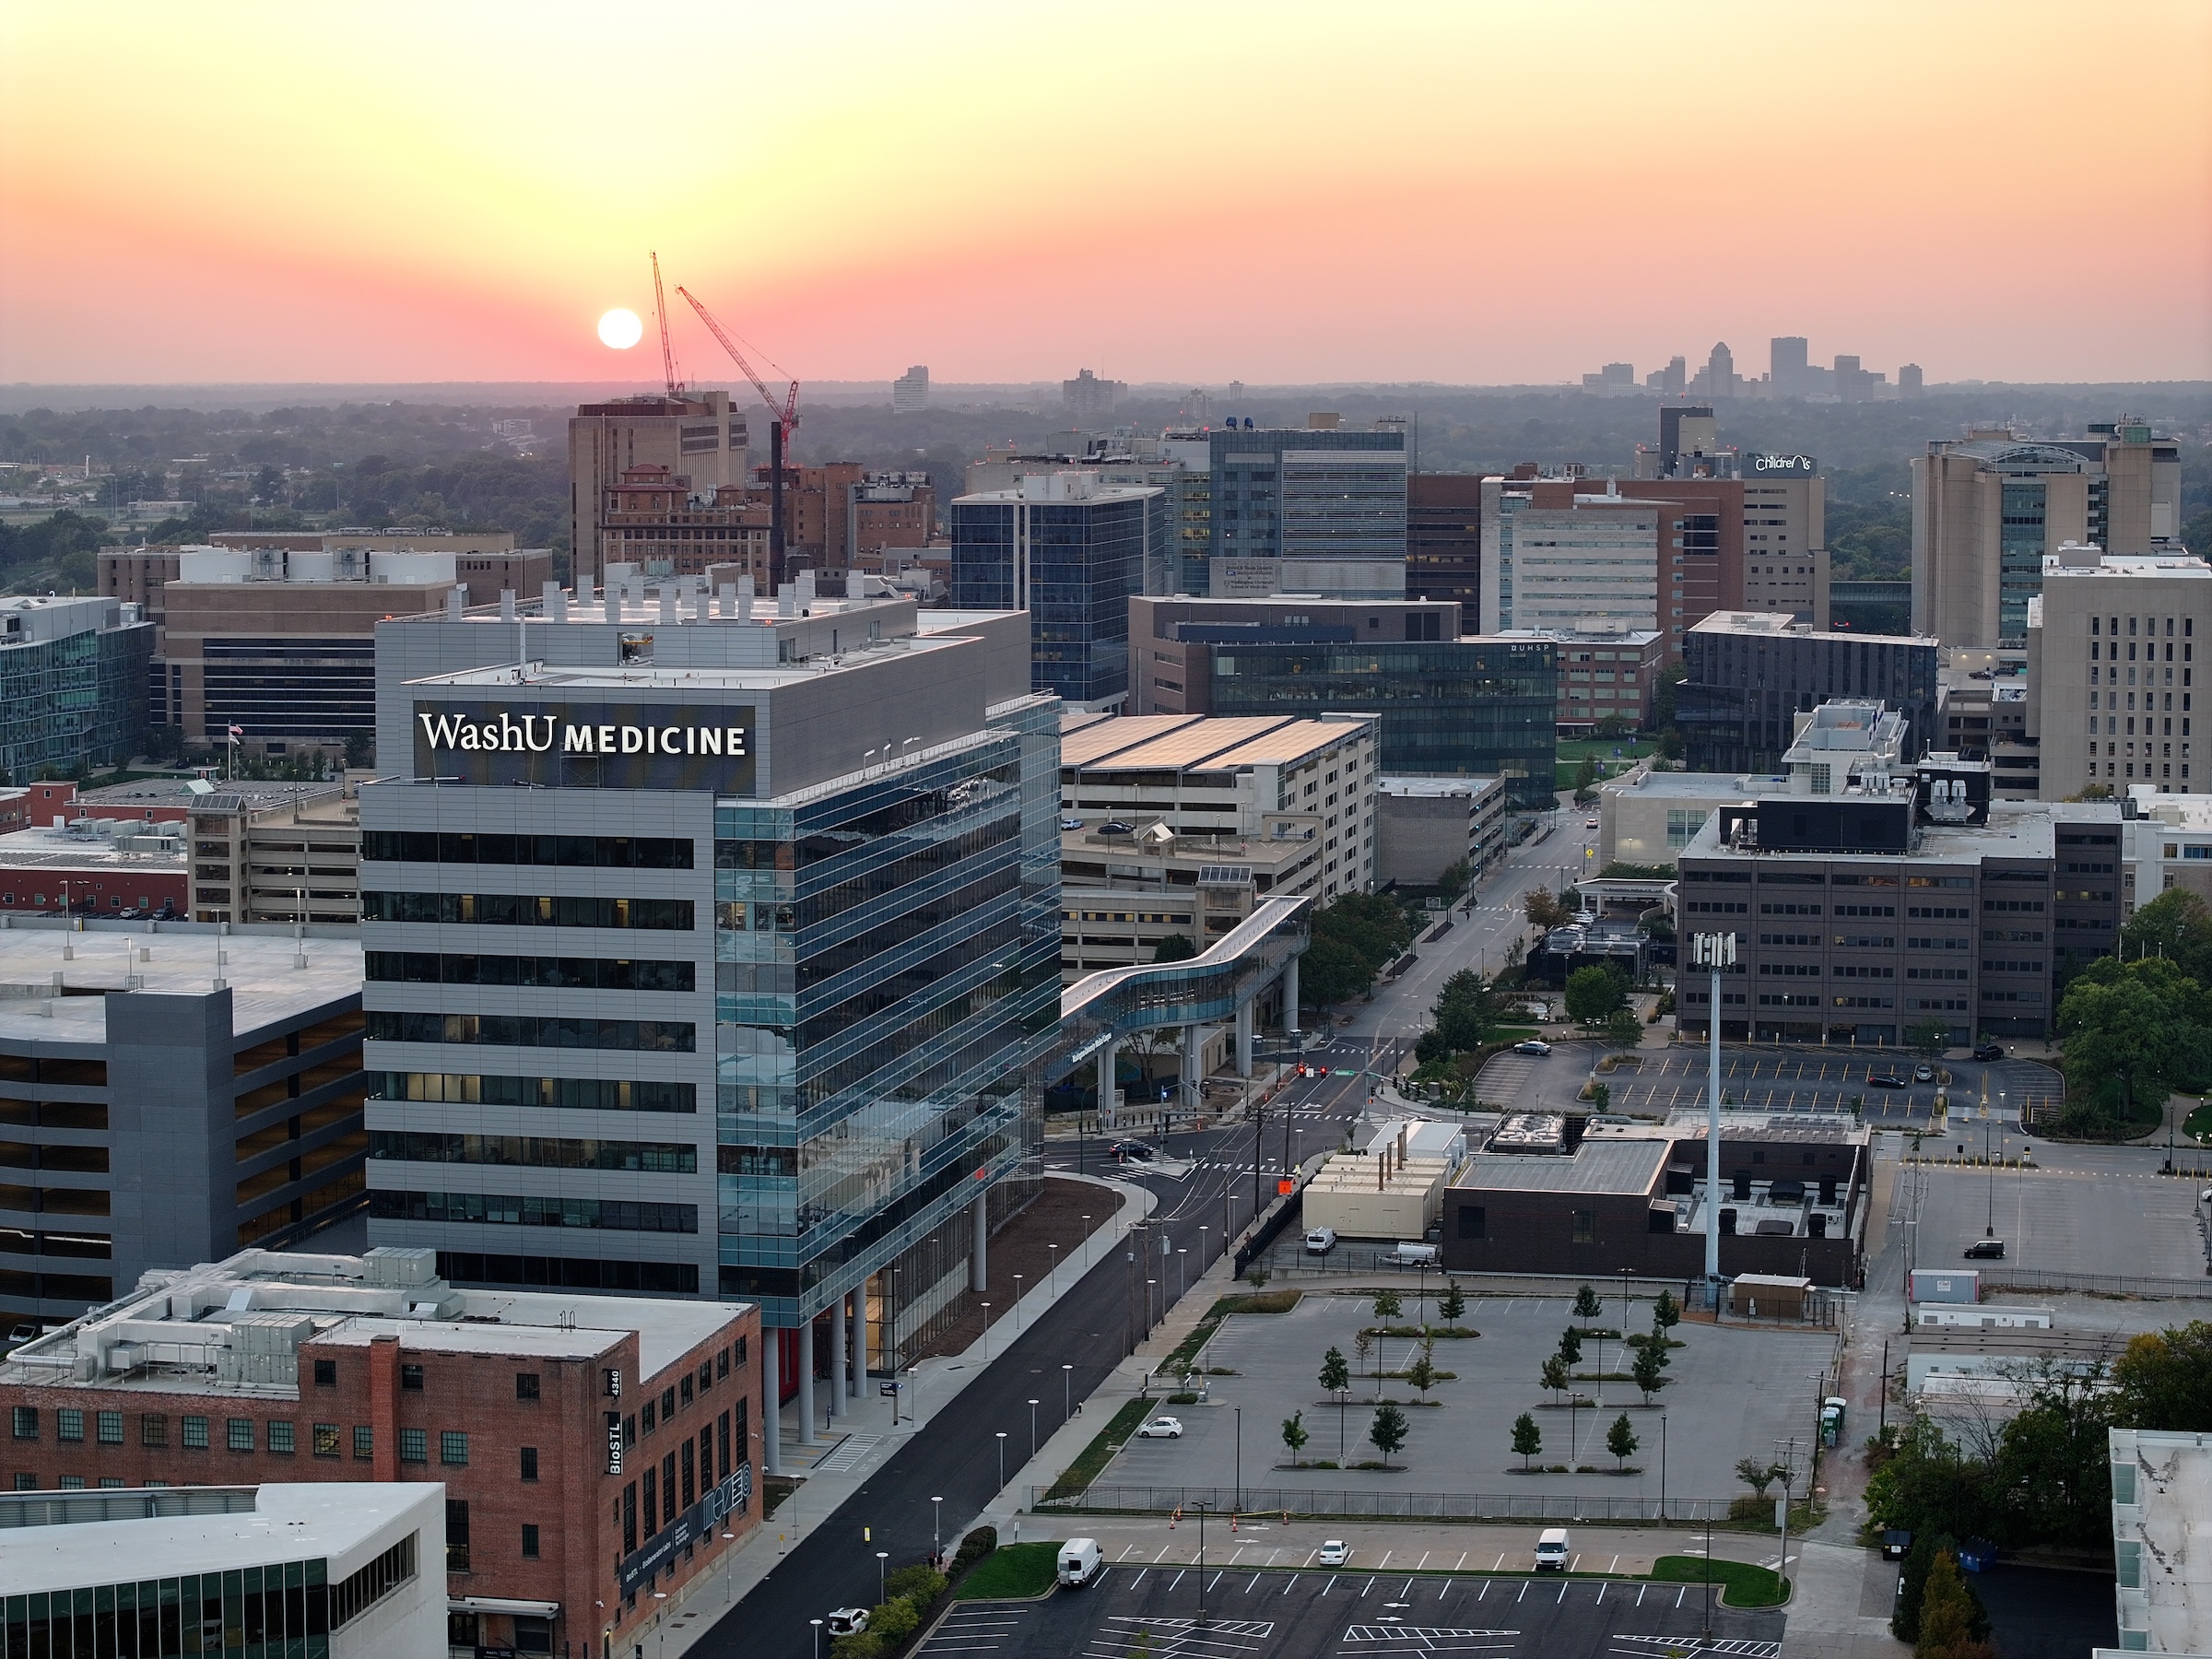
(1369, 1585)
(1679, 1595)
(1563, 1582)
(1217, 1578)
(1601, 1593)
(1127, 1550)
(1385, 1561)
(1639, 1590)
(1463, 1562)
(1292, 1584)
(1328, 1583)
(1254, 1584)
(1501, 1567)
(1178, 1577)
(1615, 1565)
(1524, 1592)
(1424, 1560)
(1484, 1590)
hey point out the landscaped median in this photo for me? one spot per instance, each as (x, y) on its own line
(1744, 1585)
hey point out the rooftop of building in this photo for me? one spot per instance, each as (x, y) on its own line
(251, 795)
(2078, 560)
(2176, 811)
(1224, 860)
(1622, 1167)
(1640, 638)
(1068, 487)
(1703, 786)
(1779, 625)
(1200, 742)
(175, 957)
(2169, 1521)
(94, 842)
(69, 1540)
(2016, 830)
(1689, 1124)
(1406, 785)
(237, 1326)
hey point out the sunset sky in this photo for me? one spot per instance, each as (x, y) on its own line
(1187, 193)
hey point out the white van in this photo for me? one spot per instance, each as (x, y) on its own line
(1413, 1255)
(1079, 1562)
(1552, 1552)
(1321, 1241)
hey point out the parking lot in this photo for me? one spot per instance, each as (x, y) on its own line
(1815, 1080)
(1132, 1610)
(1732, 1392)
(2053, 1219)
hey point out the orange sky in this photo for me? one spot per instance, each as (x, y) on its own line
(1191, 193)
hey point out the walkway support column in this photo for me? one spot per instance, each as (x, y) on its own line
(838, 1337)
(1105, 1082)
(1194, 1068)
(1244, 1037)
(805, 1337)
(1289, 996)
(771, 1399)
(860, 1339)
(979, 1266)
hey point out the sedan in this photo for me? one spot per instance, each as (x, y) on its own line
(1924, 1073)
(1885, 1082)
(1071, 823)
(1161, 1427)
(1589, 823)
(1134, 1149)
(1990, 1051)
(846, 1621)
(1535, 1045)
(1333, 1552)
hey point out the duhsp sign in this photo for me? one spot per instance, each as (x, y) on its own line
(626, 745)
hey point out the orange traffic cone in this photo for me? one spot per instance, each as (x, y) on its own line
(1175, 1517)
(1232, 1523)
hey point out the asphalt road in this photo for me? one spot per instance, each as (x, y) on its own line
(1090, 1326)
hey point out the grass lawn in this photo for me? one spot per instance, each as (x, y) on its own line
(2199, 1125)
(1743, 1584)
(1011, 1573)
(1094, 1457)
(1569, 756)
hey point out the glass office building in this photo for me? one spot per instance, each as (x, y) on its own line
(1069, 551)
(1308, 511)
(73, 678)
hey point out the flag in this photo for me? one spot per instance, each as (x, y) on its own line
(237, 731)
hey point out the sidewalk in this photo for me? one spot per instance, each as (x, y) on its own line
(862, 1439)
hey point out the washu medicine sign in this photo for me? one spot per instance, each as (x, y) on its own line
(588, 746)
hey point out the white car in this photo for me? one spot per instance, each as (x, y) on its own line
(1589, 823)
(1333, 1552)
(1535, 1045)
(846, 1621)
(1161, 1427)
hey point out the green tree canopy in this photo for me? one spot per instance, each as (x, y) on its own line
(2164, 1380)
(2176, 925)
(1453, 880)
(1649, 1369)
(1332, 971)
(1466, 1008)
(1952, 1622)
(1387, 1432)
(1335, 1375)
(1528, 1440)
(1554, 1375)
(1620, 1438)
(1294, 1434)
(1593, 993)
(1543, 909)
(2145, 1025)
(1452, 1306)
(1175, 947)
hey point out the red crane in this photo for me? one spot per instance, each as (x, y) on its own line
(788, 411)
(660, 311)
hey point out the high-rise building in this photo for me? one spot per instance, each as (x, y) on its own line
(1086, 397)
(1671, 380)
(1786, 364)
(1612, 381)
(1988, 508)
(1444, 538)
(1718, 378)
(2112, 670)
(1605, 675)
(1751, 673)
(768, 897)
(1452, 704)
(909, 391)
(73, 679)
(697, 435)
(653, 521)
(1772, 511)
(1909, 382)
(1069, 552)
(1558, 556)
(1312, 510)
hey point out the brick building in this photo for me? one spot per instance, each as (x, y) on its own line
(594, 1449)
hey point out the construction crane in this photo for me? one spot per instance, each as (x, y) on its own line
(660, 311)
(788, 411)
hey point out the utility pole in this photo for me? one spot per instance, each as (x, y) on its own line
(1715, 952)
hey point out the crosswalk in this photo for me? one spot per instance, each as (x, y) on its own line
(848, 1454)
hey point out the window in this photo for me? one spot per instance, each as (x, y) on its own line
(1474, 1221)
(529, 1542)
(722, 1361)
(652, 1415)
(280, 1438)
(410, 1378)
(26, 1422)
(529, 1462)
(239, 1434)
(364, 1442)
(667, 1404)
(326, 1373)
(153, 1429)
(456, 1534)
(110, 1427)
(686, 1390)
(68, 1424)
(1585, 1225)
(27, 1483)
(326, 1439)
(195, 1434)
(453, 1448)
(526, 1386)
(414, 1445)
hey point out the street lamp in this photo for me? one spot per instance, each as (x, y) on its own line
(1201, 1509)
(1001, 1460)
(729, 1560)
(1051, 1273)
(1179, 1256)
(1067, 1397)
(1018, 1302)
(986, 1333)
(817, 1637)
(882, 1558)
(1662, 1466)
(1032, 1429)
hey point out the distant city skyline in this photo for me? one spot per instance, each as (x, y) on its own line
(315, 195)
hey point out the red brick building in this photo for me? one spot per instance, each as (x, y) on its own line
(593, 1448)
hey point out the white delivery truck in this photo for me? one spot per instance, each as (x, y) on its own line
(1079, 1562)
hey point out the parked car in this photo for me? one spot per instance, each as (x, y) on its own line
(1321, 1241)
(1986, 1250)
(1589, 823)
(1161, 1427)
(1897, 1544)
(1333, 1552)
(1990, 1051)
(1924, 1073)
(1552, 1551)
(1533, 1045)
(846, 1621)
(1115, 826)
(1080, 1562)
(1412, 1255)
(1136, 1149)
(1885, 1081)
(1071, 823)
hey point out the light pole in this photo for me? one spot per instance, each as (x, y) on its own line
(729, 1560)
(1179, 1256)
(1713, 952)
(986, 1333)
(817, 1637)
(1001, 1460)
(882, 1559)
(1051, 1273)
(1240, 1410)
(1018, 1302)
(936, 1530)
(1067, 1391)
(1663, 1465)
(1032, 1429)
(1201, 1508)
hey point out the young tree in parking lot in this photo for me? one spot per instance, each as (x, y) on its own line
(1555, 1376)
(1570, 1345)
(1295, 1437)
(1620, 1440)
(1451, 1306)
(1587, 1305)
(1649, 1367)
(1336, 1376)
(1421, 1373)
(1363, 1344)
(1528, 1440)
(1387, 1305)
(1666, 1312)
(1929, 1039)
(1387, 1432)
(1755, 1474)
(1623, 1031)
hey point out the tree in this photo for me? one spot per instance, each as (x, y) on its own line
(1175, 947)
(2053, 1464)
(1755, 1474)
(1452, 881)
(1336, 1376)
(1592, 992)
(1555, 1375)
(1542, 907)
(1928, 1038)
(1295, 1436)
(1451, 1306)
(1952, 1622)
(1528, 1440)
(1363, 1345)
(1570, 1345)
(1387, 1432)
(1332, 972)
(2176, 925)
(1587, 1305)
(1620, 1440)
(2164, 1381)
(1623, 1029)
(1387, 1305)
(1467, 1008)
(2144, 1025)
(1649, 1367)
(1667, 1314)
(1585, 774)
(1421, 1373)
